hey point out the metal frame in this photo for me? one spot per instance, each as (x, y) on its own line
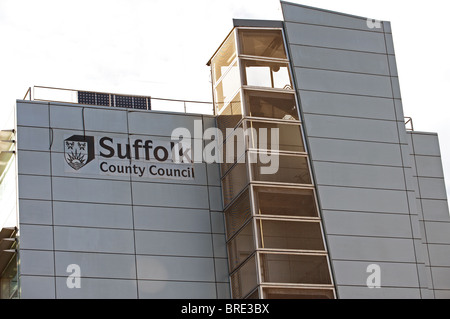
(409, 120)
(249, 150)
(32, 97)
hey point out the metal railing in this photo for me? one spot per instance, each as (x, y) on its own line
(52, 94)
(409, 124)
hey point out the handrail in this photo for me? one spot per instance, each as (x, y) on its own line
(28, 93)
(408, 120)
(71, 96)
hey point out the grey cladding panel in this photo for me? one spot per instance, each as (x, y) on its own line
(35, 163)
(91, 119)
(392, 274)
(97, 265)
(369, 249)
(175, 268)
(28, 286)
(355, 152)
(365, 200)
(35, 212)
(349, 292)
(425, 144)
(151, 123)
(91, 190)
(343, 82)
(438, 232)
(302, 14)
(92, 215)
(435, 210)
(171, 219)
(36, 262)
(176, 290)
(170, 195)
(429, 166)
(351, 128)
(65, 117)
(441, 277)
(347, 105)
(389, 43)
(33, 138)
(432, 188)
(36, 237)
(173, 244)
(439, 255)
(354, 175)
(336, 38)
(97, 288)
(34, 187)
(32, 114)
(339, 60)
(94, 240)
(367, 224)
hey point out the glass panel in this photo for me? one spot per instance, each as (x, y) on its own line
(266, 74)
(225, 56)
(227, 87)
(264, 43)
(285, 201)
(241, 246)
(291, 169)
(8, 281)
(8, 196)
(271, 105)
(253, 295)
(238, 214)
(297, 293)
(234, 182)
(233, 149)
(296, 269)
(290, 235)
(243, 281)
(290, 136)
(230, 116)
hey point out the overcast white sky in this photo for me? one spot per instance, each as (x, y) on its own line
(160, 48)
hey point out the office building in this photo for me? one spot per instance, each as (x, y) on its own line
(100, 201)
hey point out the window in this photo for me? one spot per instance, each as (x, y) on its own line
(230, 116)
(261, 42)
(266, 74)
(227, 87)
(9, 288)
(234, 182)
(295, 269)
(291, 169)
(289, 136)
(297, 293)
(282, 234)
(280, 201)
(243, 281)
(224, 58)
(238, 214)
(271, 105)
(233, 149)
(241, 246)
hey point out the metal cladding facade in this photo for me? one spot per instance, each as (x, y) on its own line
(356, 209)
(133, 235)
(372, 176)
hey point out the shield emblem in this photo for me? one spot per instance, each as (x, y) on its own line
(79, 150)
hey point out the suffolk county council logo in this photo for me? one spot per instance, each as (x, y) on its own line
(79, 150)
